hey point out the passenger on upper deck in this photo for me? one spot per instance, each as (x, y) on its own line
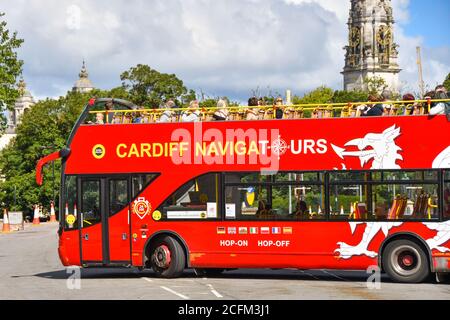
(168, 115)
(373, 110)
(221, 113)
(413, 108)
(193, 114)
(440, 107)
(252, 113)
(99, 118)
(388, 109)
(278, 108)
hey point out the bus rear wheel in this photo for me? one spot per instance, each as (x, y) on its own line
(167, 257)
(405, 261)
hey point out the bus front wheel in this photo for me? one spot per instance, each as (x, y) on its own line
(405, 261)
(167, 257)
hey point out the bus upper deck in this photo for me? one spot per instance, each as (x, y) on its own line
(116, 111)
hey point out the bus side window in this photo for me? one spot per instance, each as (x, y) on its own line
(447, 195)
(196, 199)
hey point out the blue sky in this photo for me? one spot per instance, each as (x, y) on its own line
(219, 47)
(430, 19)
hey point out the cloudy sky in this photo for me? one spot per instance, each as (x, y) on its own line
(219, 47)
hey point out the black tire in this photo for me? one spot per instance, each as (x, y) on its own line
(406, 261)
(162, 249)
(211, 272)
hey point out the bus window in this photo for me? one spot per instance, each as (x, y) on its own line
(300, 201)
(282, 196)
(70, 201)
(406, 201)
(446, 211)
(239, 177)
(249, 202)
(118, 195)
(349, 201)
(196, 199)
(140, 182)
(90, 203)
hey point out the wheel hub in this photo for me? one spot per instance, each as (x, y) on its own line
(406, 260)
(161, 256)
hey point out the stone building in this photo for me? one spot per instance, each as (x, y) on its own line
(21, 106)
(83, 84)
(371, 50)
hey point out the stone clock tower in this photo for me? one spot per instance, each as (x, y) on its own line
(371, 50)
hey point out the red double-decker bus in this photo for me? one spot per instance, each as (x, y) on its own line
(329, 193)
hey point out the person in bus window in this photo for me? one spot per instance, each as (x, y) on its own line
(221, 113)
(169, 113)
(193, 114)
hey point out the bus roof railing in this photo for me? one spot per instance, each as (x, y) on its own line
(316, 110)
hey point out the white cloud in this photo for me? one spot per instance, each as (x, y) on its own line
(223, 47)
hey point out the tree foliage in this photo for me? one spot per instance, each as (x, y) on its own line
(447, 82)
(45, 128)
(375, 85)
(320, 95)
(10, 68)
(342, 96)
(151, 88)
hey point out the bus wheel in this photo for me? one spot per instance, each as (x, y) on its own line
(167, 257)
(405, 261)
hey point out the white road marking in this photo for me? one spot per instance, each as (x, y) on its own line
(175, 293)
(214, 291)
(147, 279)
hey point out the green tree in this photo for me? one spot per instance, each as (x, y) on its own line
(447, 82)
(342, 96)
(10, 69)
(150, 88)
(320, 95)
(45, 128)
(375, 85)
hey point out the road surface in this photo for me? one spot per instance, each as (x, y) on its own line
(30, 269)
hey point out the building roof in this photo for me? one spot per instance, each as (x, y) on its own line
(83, 82)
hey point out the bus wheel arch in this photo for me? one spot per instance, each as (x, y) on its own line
(405, 240)
(170, 249)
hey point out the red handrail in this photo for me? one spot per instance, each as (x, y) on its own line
(51, 157)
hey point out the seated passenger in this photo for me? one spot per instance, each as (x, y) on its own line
(193, 114)
(252, 113)
(411, 108)
(278, 108)
(169, 114)
(374, 110)
(99, 118)
(221, 113)
(439, 107)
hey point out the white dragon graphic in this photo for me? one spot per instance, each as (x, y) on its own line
(372, 228)
(383, 152)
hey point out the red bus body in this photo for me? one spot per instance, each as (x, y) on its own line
(327, 145)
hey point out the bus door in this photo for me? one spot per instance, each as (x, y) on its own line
(92, 220)
(105, 222)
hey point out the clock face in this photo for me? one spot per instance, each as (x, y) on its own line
(384, 35)
(355, 37)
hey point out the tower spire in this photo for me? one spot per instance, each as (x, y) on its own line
(371, 50)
